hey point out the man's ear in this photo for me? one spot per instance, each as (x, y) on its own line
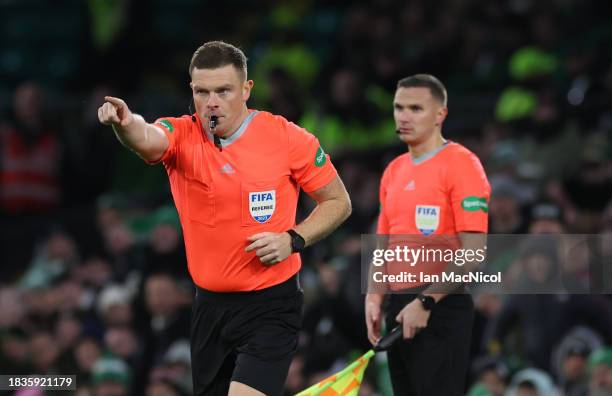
(246, 89)
(441, 115)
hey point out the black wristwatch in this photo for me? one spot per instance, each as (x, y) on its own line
(297, 242)
(427, 301)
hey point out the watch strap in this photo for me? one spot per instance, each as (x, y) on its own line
(297, 241)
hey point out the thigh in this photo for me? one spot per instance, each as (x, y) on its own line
(263, 358)
(399, 373)
(435, 361)
(212, 359)
(418, 366)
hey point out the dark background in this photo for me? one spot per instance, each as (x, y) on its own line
(89, 239)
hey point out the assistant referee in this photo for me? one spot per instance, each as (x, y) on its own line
(434, 196)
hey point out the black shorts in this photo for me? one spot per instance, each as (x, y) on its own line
(435, 361)
(248, 337)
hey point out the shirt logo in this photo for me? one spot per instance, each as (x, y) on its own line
(474, 204)
(167, 124)
(427, 218)
(262, 205)
(227, 168)
(320, 157)
(410, 186)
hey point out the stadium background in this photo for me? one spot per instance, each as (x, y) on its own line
(93, 276)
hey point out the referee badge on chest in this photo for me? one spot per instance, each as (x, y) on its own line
(427, 218)
(262, 205)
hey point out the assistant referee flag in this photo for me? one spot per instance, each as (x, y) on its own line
(343, 383)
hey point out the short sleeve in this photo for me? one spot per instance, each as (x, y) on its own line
(310, 166)
(383, 221)
(171, 126)
(470, 193)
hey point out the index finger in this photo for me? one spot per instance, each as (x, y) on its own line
(255, 245)
(114, 100)
(255, 237)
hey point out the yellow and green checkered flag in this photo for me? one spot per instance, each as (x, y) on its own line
(343, 383)
(348, 381)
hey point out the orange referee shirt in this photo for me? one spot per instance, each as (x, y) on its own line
(429, 200)
(251, 186)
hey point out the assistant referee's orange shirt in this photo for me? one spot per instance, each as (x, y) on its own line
(439, 194)
(251, 186)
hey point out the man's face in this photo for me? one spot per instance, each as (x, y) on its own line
(110, 389)
(601, 378)
(160, 295)
(417, 114)
(221, 92)
(493, 382)
(574, 367)
(28, 104)
(526, 391)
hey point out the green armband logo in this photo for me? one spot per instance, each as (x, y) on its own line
(167, 124)
(473, 204)
(320, 157)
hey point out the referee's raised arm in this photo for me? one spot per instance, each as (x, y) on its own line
(146, 140)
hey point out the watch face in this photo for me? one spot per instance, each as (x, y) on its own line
(427, 301)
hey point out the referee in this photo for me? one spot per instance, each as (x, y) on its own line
(436, 196)
(235, 175)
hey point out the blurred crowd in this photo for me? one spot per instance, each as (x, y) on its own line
(93, 280)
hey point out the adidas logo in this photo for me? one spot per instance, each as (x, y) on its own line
(410, 186)
(227, 169)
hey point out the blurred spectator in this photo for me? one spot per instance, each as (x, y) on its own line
(44, 353)
(505, 212)
(86, 353)
(532, 382)
(94, 272)
(600, 366)
(84, 390)
(165, 251)
(12, 311)
(285, 52)
(285, 98)
(543, 319)
(478, 389)
(546, 218)
(111, 377)
(168, 316)
(492, 374)
(570, 360)
(175, 368)
(539, 266)
(31, 155)
(55, 257)
(14, 351)
(347, 116)
(122, 343)
(163, 388)
(123, 249)
(67, 331)
(114, 306)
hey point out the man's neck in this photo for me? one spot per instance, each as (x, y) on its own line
(234, 128)
(419, 149)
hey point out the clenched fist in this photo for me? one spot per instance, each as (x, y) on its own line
(270, 247)
(115, 112)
